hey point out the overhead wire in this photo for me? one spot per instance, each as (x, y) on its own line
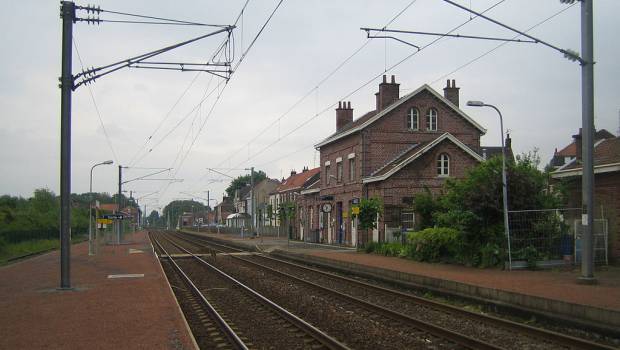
(329, 107)
(226, 84)
(438, 79)
(176, 21)
(496, 47)
(92, 97)
(165, 187)
(315, 88)
(217, 52)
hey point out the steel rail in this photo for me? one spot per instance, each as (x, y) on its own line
(558, 338)
(234, 339)
(540, 333)
(316, 333)
(458, 338)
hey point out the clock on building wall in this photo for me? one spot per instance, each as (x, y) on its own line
(327, 207)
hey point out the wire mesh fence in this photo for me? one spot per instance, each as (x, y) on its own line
(552, 237)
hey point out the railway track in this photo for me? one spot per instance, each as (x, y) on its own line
(496, 331)
(247, 319)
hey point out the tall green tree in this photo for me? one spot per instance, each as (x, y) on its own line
(244, 180)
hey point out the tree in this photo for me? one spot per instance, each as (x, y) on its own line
(473, 205)
(244, 180)
(176, 208)
(154, 219)
(286, 213)
(369, 210)
(425, 205)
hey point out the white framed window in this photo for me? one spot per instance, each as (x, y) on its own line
(413, 119)
(407, 219)
(443, 165)
(431, 119)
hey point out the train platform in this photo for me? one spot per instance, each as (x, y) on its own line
(120, 300)
(553, 293)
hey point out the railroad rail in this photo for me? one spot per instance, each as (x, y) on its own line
(303, 334)
(389, 316)
(221, 337)
(543, 335)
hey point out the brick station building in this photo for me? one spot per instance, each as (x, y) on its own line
(404, 146)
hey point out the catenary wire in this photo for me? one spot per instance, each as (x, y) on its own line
(226, 85)
(496, 47)
(184, 93)
(165, 186)
(329, 107)
(92, 97)
(455, 70)
(315, 88)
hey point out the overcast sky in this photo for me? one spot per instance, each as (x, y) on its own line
(284, 82)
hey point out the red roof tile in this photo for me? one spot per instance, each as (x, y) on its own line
(297, 181)
(606, 152)
(568, 151)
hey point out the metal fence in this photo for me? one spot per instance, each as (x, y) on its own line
(551, 237)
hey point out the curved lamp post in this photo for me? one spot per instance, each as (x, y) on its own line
(91, 245)
(504, 187)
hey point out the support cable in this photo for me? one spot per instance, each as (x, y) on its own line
(500, 45)
(92, 97)
(567, 53)
(315, 88)
(91, 75)
(222, 46)
(304, 123)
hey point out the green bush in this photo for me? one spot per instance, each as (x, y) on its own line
(434, 244)
(490, 255)
(387, 249)
(370, 247)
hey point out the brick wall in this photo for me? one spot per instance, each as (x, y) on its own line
(606, 205)
(384, 140)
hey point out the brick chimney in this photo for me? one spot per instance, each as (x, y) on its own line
(344, 114)
(388, 93)
(451, 92)
(577, 139)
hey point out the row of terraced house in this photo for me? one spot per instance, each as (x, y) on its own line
(406, 145)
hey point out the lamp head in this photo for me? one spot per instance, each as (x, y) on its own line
(108, 162)
(475, 103)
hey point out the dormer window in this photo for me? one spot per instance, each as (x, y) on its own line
(443, 165)
(431, 119)
(413, 119)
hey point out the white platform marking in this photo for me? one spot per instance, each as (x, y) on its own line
(127, 275)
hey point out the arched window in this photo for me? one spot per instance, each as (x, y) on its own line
(443, 165)
(413, 120)
(431, 119)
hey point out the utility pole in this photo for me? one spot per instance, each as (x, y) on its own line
(587, 145)
(119, 223)
(66, 85)
(252, 226)
(208, 206)
(69, 82)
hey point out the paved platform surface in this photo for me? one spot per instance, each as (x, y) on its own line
(539, 286)
(101, 312)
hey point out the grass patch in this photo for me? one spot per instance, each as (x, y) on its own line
(14, 250)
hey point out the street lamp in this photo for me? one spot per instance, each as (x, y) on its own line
(91, 245)
(504, 187)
